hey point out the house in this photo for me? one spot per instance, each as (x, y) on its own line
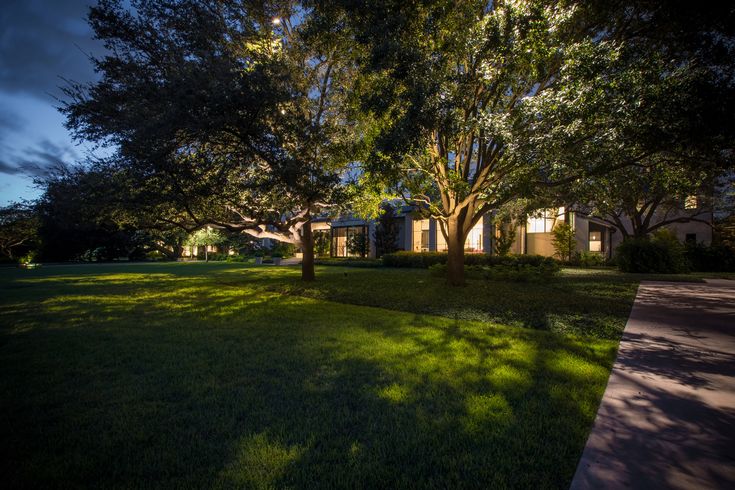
(342, 236)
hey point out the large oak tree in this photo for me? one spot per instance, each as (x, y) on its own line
(229, 111)
(479, 103)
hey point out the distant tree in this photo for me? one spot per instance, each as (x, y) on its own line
(206, 237)
(564, 241)
(95, 207)
(18, 229)
(386, 231)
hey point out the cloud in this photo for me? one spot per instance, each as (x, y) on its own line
(41, 41)
(10, 122)
(6, 168)
(39, 160)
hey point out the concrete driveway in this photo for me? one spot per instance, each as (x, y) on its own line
(667, 418)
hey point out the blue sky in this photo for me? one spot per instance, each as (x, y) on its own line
(41, 42)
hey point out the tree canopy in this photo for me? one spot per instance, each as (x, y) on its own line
(479, 103)
(229, 110)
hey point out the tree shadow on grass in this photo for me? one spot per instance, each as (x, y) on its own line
(592, 305)
(207, 387)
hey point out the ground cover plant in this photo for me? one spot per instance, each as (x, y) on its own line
(588, 302)
(228, 375)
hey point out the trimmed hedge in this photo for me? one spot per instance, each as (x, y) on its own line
(417, 260)
(645, 255)
(715, 258)
(349, 262)
(424, 260)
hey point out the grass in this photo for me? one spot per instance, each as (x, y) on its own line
(223, 375)
(587, 302)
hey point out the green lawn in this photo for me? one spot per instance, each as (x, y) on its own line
(220, 375)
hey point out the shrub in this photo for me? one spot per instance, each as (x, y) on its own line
(659, 254)
(428, 259)
(28, 258)
(419, 260)
(154, 255)
(714, 258)
(350, 262)
(505, 239)
(237, 258)
(283, 250)
(591, 259)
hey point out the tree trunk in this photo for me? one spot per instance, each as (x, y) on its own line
(307, 247)
(206, 254)
(455, 253)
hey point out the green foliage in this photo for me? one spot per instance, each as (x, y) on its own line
(420, 260)
(350, 262)
(713, 258)
(564, 241)
(19, 225)
(424, 260)
(661, 253)
(205, 237)
(28, 258)
(357, 244)
(322, 243)
(283, 250)
(386, 231)
(474, 101)
(237, 120)
(591, 259)
(504, 240)
(506, 271)
(154, 255)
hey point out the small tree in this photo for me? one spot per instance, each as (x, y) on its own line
(386, 231)
(564, 241)
(357, 244)
(506, 237)
(205, 237)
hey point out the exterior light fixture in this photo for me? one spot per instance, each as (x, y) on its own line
(276, 21)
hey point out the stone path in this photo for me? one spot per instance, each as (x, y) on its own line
(667, 418)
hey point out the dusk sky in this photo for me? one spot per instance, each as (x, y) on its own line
(41, 42)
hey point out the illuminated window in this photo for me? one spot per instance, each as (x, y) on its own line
(473, 243)
(347, 241)
(595, 239)
(691, 202)
(542, 222)
(421, 235)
